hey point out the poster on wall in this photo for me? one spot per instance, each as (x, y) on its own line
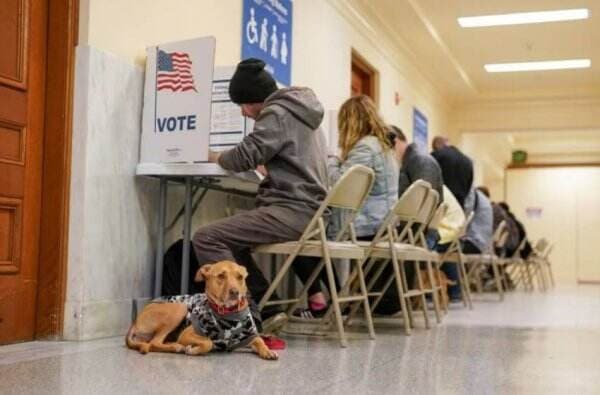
(227, 125)
(177, 101)
(420, 129)
(267, 35)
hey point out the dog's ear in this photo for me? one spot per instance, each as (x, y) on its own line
(243, 271)
(202, 273)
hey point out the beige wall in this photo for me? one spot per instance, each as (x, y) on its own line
(325, 31)
(569, 198)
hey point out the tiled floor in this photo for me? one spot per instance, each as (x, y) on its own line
(530, 344)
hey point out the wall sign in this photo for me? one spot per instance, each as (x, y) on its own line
(227, 125)
(177, 101)
(420, 128)
(267, 35)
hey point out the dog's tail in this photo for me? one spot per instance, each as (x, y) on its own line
(130, 338)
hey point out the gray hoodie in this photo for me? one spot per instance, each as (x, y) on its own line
(288, 141)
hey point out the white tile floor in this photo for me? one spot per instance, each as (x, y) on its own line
(530, 344)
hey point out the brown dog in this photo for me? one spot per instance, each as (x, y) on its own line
(438, 277)
(219, 319)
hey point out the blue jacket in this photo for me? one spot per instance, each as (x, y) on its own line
(368, 152)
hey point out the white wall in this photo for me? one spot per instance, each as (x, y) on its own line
(112, 220)
(568, 197)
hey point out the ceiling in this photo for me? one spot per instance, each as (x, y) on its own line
(453, 57)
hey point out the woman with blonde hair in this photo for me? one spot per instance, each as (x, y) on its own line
(362, 141)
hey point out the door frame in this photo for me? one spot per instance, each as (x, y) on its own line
(63, 21)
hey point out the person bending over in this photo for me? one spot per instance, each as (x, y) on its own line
(288, 142)
(362, 141)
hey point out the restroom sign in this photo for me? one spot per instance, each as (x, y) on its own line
(177, 101)
(267, 35)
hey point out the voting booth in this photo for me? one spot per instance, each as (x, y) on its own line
(187, 112)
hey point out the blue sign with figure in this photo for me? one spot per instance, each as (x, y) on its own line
(267, 35)
(420, 129)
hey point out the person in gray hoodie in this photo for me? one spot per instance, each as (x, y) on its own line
(289, 148)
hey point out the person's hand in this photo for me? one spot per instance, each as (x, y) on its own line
(262, 170)
(213, 156)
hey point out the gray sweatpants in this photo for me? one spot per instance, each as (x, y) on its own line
(233, 238)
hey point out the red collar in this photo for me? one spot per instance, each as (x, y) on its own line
(222, 310)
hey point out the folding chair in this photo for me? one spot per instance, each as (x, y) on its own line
(519, 269)
(480, 261)
(434, 224)
(348, 194)
(538, 262)
(392, 247)
(454, 255)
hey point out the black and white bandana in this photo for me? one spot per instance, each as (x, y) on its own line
(227, 332)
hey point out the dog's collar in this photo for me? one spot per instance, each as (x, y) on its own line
(222, 310)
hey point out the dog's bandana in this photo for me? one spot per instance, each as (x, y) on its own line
(227, 332)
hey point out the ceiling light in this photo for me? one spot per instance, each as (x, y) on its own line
(524, 18)
(545, 65)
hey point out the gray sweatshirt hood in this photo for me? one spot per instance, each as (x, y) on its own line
(301, 103)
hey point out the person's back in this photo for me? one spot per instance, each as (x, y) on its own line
(370, 152)
(457, 169)
(288, 141)
(453, 220)
(415, 164)
(363, 141)
(480, 231)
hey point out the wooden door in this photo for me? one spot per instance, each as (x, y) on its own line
(22, 92)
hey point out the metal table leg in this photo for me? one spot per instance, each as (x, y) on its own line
(187, 224)
(160, 242)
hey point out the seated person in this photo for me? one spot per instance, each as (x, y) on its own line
(362, 141)
(288, 142)
(416, 164)
(457, 168)
(478, 237)
(512, 242)
(526, 251)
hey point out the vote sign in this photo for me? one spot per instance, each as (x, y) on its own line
(177, 101)
(267, 35)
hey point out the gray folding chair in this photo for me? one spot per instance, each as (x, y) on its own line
(348, 194)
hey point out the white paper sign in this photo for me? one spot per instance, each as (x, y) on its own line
(177, 101)
(228, 126)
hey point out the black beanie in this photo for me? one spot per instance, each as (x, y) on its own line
(251, 83)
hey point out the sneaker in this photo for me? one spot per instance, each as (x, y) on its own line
(275, 323)
(309, 314)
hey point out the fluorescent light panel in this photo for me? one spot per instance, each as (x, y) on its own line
(524, 18)
(534, 66)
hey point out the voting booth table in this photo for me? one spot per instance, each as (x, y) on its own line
(187, 111)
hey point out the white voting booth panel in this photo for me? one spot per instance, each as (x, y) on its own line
(177, 101)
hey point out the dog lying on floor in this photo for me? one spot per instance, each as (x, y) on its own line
(218, 319)
(438, 277)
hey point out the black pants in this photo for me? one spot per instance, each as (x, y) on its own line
(451, 269)
(390, 301)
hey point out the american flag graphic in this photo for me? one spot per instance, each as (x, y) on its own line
(174, 72)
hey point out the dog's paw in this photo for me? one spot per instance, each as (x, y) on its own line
(188, 350)
(144, 348)
(269, 355)
(180, 348)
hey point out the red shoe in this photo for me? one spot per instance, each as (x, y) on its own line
(274, 343)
